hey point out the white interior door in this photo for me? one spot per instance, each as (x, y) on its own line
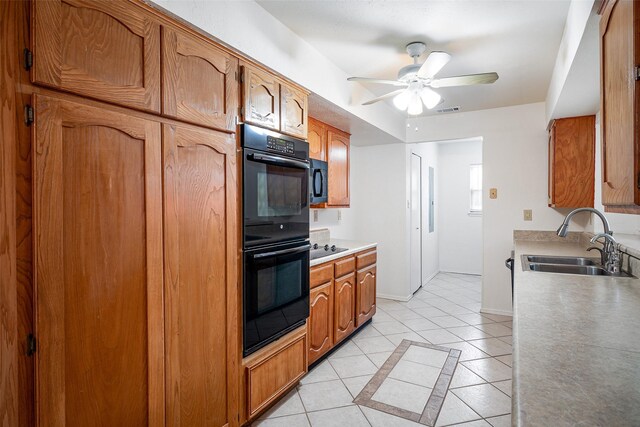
(416, 222)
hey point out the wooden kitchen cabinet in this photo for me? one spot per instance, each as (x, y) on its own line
(365, 286)
(98, 266)
(261, 98)
(317, 137)
(620, 105)
(572, 162)
(293, 111)
(199, 81)
(320, 324)
(104, 50)
(344, 307)
(200, 276)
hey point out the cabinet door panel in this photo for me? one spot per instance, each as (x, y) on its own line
(338, 158)
(293, 112)
(98, 266)
(200, 277)
(261, 94)
(105, 50)
(320, 321)
(199, 81)
(365, 295)
(344, 306)
(317, 137)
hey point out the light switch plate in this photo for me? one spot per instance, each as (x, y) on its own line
(528, 215)
(315, 215)
(493, 193)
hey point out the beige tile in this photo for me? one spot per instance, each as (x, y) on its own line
(381, 316)
(288, 405)
(389, 305)
(489, 369)
(468, 333)
(474, 319)
(388, 328)
(455, 411)
(367, 332)
(469, 352)
(495, 329)
(353, 366)
(507, 324)
(508, 339)
(322, 372)
(375, 345)
(501, 421)
(338, 417)
(425, 356)
(345, 350)
(324, 395)
(498, 317)
(492, 346)
(421, 324)
(485, 399)
(415, 373)
(378, 359)
(476, 423)
(439, 336)
(396, 339)
(447, 321)
(299, 420)
(507, 359)
(464, 377)
(430, 312)
(415, 303)
(356, 384)
(456, 309)
(403, 395)
(405, 314)
(382, 419)
(503, 386)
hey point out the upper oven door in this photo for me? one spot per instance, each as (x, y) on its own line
(276, 198)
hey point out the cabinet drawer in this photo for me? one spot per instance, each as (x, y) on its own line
(345, 266)
(274, 372)
(321, 274)
(364, 259)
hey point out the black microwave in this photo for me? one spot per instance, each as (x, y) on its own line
(319, 180)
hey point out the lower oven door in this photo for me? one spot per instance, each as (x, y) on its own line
(276, 293)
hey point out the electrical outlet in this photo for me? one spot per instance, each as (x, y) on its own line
(315, 215)
(528, 215)
(339, 215)
(493, 193)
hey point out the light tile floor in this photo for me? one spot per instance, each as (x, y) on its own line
(444, 312)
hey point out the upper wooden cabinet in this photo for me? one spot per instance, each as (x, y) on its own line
(293, 111)
(199, 81)
(270, 102)
(105, 50)
(572, 162)
(620, 105)
(329, 144)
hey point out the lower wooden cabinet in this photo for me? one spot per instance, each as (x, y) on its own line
(320, 325)
(366, 295)
(344, 307)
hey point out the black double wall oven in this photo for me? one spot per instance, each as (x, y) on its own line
(275, 183)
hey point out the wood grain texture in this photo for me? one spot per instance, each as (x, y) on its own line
(344, 266)
(338, 159)
(572, 162)
(106, 50)
(619, 103)
(293, 111)
(317, 137)
(98, 270)
(365, 295)
(321, 274)
(344, 307)
(9, 347)
(261, 98)
(366, 258)
(200, 277)
(320, 321)
(199, 81)
(274, 370)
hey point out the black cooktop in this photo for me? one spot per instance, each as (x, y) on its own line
(326, 250)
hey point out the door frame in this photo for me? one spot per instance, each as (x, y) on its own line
(419, 157)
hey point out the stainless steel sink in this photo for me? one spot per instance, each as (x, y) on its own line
(562, 260)
(567, 265)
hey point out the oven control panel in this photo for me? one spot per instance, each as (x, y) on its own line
(280, 145)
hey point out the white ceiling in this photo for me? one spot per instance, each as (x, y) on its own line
(519, 39)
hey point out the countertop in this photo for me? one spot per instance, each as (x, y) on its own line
(576, 345)
(352, 246)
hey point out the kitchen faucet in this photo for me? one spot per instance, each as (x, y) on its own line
(610, 254)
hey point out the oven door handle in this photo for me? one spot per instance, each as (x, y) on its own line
(277, 160)
(283, 252)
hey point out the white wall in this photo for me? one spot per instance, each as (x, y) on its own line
(460, 233)
(514, 153)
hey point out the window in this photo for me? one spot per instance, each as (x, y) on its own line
(475, 186)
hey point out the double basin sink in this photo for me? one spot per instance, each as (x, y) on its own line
(567, 265)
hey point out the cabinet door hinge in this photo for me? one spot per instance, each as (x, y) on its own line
(636, 72)
(28, 115)
(28, 59)
(31, 345)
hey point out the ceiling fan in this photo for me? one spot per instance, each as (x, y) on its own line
(417, 80)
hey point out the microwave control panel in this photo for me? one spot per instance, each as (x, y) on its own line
(280, 145)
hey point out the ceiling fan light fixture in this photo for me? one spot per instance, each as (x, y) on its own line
(415, 106)
(401, 101)
(430, 97)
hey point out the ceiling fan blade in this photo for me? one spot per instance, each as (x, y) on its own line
(434, 63)
(379, 81)
(385, 96)
(471, 79)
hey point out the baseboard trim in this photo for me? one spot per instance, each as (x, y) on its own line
(460, 272)
(494, 311)
(394, 297)
(430, 278)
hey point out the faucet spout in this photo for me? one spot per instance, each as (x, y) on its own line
(564, 227)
